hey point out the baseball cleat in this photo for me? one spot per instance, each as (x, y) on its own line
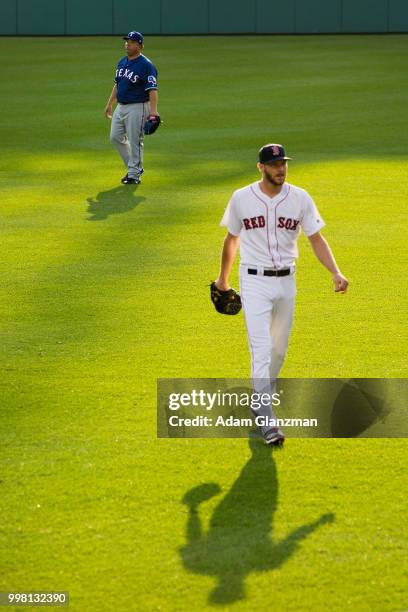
(127, 180)
(274, 437)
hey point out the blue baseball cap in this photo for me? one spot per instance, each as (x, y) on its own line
(136, 36)
(272, 152)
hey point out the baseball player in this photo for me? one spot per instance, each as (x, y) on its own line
(135, 91)
(265, 219)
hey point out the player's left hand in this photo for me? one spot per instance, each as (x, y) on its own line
(340, 283)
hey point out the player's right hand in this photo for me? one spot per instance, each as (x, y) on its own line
(108, 111)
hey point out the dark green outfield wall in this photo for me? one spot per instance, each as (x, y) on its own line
(72, 17)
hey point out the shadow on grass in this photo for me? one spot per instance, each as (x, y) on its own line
(239, 539)
(359, 405)
(115, 201)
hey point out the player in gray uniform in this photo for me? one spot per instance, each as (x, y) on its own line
(135, 91)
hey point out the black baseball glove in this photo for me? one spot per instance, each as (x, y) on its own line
(151, 124)
(225, 302)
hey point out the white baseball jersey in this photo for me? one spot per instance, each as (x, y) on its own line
(270, 227)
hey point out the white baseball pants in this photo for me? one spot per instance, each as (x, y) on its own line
(268, 303)
(127, 135)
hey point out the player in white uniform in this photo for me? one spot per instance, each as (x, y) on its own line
(265, 219)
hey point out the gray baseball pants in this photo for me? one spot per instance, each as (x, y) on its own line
(127, 135)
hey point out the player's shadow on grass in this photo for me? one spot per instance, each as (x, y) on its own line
(240, 539)
(115, 201)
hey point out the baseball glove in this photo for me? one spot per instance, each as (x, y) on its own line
(151, 124)
(225, 302)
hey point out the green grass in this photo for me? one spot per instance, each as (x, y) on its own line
(105, 289)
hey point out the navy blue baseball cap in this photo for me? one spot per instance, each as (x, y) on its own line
(136, 36)
(272, 152)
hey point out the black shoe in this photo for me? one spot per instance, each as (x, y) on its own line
(274, 437)
(131, 181)
(124, 179)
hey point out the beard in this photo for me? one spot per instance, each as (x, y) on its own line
(279, 180)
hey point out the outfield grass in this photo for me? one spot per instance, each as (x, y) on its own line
(105, 289)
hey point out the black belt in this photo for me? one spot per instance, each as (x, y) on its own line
(284, 272)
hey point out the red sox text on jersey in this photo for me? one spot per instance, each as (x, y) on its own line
(255, 222)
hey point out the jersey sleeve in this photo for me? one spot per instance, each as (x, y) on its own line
(231, 218)
(151, 77)
(312, 221)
